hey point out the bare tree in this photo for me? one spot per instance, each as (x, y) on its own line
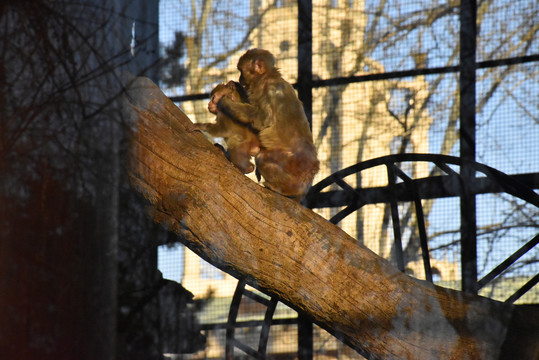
(73, 235)
(430, 28)
(309, 263)
(384, 36)
(217, 30)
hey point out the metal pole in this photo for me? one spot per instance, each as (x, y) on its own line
(305, 94)
(468, 33)
(305, 56)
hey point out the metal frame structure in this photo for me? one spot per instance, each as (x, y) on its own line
(451, 184)
(463, 184)
(231, 342)
(446, 182)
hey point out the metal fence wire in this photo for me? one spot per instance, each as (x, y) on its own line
(425, 115)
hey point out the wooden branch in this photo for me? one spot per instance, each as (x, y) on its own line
(312, 265)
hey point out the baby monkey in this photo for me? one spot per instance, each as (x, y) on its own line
(241, 139)
(287, 160)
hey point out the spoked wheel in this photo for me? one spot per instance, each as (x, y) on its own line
(444, 181)
(232, 324)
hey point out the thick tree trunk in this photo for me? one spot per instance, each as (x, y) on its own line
(309, 263)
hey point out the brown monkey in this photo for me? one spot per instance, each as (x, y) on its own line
(287, 159)
(240, 138)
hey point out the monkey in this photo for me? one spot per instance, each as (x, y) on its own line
(287, 159)
(240, 138)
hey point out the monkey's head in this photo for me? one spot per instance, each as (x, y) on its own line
(216, 94)
(253, 64)
(232, 89)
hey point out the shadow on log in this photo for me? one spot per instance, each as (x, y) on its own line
(309, 263)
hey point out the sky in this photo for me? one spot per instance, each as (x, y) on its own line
(507, 127)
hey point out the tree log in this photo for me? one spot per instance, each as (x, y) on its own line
(309, 263)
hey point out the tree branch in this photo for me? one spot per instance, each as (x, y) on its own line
(310, 264)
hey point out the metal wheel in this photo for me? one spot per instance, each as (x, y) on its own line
(442, 182)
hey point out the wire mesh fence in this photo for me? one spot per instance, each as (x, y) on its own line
(385, 80)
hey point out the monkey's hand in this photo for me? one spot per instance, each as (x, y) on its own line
(218, 96)
(199, 127)
(231, 85)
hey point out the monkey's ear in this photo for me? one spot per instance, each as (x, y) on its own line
(260, 66)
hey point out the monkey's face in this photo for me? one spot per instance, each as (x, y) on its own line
(248, 73)
(212, 104)
(217, 93)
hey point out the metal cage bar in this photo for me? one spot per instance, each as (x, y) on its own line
(232, 324)
(397, 237)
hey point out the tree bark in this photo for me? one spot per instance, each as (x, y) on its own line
(310, 264)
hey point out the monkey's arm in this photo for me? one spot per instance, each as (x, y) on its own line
(241, 112)
(219, 128)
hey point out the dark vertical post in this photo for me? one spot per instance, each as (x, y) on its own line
(305, 56)
(305, 338)
(468, 33)
(305, 94)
